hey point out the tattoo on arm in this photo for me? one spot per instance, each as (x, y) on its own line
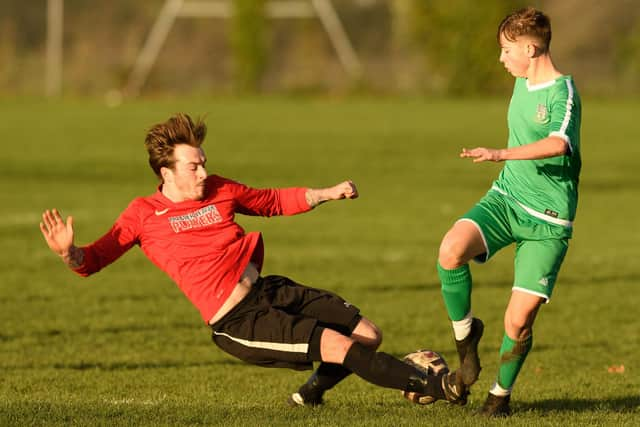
(310, 199)
(74, 258)
(314, 197)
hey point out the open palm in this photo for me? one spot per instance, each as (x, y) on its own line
(57, 233)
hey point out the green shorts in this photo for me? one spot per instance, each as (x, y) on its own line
(540, 246)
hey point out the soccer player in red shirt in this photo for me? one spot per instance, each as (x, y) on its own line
(187, 229)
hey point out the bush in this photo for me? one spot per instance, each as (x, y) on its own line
(458, 39)
(248, 42)
(627, 58)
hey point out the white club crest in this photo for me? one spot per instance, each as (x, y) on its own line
(541, 113)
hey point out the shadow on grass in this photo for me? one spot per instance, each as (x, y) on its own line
(619, 404)
(126, 366)
(53, 332)
(30, 298)
(499, 283)
(401, 287)
(507, 283)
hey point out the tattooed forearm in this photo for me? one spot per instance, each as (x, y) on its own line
(309, 196)
(314, 197)
(74, 258)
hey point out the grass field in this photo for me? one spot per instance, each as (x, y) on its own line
(124, 347)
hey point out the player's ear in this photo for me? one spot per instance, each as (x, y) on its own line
(166, 174)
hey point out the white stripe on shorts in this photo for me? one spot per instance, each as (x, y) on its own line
(289, 348)
(484, 240)
(530, 292)
(557, 221)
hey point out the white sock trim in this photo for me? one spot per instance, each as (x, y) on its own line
(496, 390)
(462, 328)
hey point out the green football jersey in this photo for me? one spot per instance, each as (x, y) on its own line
(545, 188)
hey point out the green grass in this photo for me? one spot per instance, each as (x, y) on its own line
(124, 347)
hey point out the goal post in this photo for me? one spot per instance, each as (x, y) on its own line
(223, 9)
(53, 59)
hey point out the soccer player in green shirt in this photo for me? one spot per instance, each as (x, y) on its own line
(532, 204)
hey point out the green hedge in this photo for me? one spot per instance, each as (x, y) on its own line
(248, 42)
(458, 39)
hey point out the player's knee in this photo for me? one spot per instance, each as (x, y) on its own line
(367, 333)
(376, 337)
(520, 315)
(452, 253)
(517, 326)
(334, 346)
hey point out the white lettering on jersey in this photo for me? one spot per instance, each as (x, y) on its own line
(197, 219)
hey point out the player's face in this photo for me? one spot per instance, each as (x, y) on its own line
(187, 178)
(515, 55)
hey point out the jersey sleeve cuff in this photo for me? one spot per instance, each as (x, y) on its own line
(294, 200)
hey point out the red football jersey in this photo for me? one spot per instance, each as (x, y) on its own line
(197, 243)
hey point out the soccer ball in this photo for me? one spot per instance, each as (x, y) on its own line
(430, 363)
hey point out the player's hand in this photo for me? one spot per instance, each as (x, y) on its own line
(482, 154)
(344, 190)
(57, 233)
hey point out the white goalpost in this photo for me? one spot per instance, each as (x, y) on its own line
(53, 61)
(173, 9)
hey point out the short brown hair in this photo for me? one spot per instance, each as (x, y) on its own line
(527, 22)
(163, 137)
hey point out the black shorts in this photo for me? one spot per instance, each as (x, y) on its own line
(273, 325)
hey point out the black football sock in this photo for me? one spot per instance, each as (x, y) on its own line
(330, 374)
(384, 370)
(325, 377)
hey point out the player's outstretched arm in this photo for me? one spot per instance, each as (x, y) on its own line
(542, 149)
(344, 190)
(59, 237)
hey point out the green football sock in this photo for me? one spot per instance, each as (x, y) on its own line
(512, 356)
(456, 290)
